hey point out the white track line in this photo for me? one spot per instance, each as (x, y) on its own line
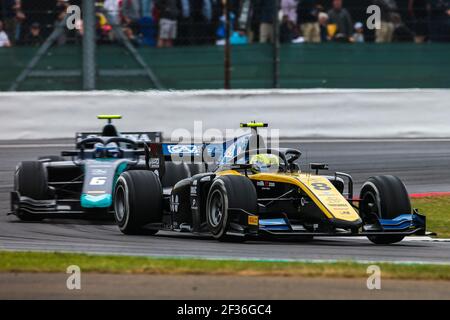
(171, 93)
(406, 239)
(231, 258)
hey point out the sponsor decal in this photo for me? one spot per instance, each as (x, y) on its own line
(205, 179)
(174, 203)
(342, 205)
(137, 137)
(96, 192)
(194, 204)
(154, 163)
(98, 172)
(96, 166)
(265, 184)
(181, 149)
(253, 220)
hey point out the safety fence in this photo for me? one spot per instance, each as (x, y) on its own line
(301, 66)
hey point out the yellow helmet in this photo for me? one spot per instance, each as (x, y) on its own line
(264, 162)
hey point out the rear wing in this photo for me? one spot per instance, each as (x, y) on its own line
(209, 153)
(201, 152)
(147, 137)
(187, 153)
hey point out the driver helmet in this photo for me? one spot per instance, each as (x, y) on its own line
(264, 162)
(111, 150)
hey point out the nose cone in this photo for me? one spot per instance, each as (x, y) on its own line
(97, 201)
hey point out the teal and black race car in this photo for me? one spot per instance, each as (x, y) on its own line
(80, 183)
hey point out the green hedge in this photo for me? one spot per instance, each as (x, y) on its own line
(302, 66)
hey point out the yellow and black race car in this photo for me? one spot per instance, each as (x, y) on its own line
(259, 191)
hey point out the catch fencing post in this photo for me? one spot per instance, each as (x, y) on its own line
(276, 45)
(89, 45)
(227, 58)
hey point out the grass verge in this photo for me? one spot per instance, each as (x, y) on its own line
(58, 262)
(437, 211)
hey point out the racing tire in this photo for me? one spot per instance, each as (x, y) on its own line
(138, 201)
(52, 158)
(229, 192)
(196, 168)
(385, 196)
(31, 181)
(174, 172)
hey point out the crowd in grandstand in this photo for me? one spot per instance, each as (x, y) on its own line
(165, 23)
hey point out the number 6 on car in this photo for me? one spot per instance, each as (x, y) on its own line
(98, 181)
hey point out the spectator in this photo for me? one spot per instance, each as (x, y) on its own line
(201, 15)
(289, 9)
(148, 29)
(323, 22)
(34, 37)
(146, 8)
(386, 30)
(221, 29)
(358, 36)
(14, 17)
(401, 32)
(112, 7)
(341, 18)
(266, 15)
(418, 12)
(4, 39)
(184, 23)
(61, 12)
(287, 30)
(168, 22)
(308, 20)
(440, 20)
(131, 14)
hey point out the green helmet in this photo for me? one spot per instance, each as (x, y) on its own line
(264, 162)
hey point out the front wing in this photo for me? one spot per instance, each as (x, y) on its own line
(406, 224)
(60, 208)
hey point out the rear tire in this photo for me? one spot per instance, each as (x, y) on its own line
(196, 168)
(174, 172)
(387, 198)
(228, 192)
(31, 181)
(138, 201)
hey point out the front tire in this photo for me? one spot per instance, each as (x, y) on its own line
(229, 192)
(386, 197)
(138, 201)
(31, 181)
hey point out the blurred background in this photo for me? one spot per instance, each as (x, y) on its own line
(214, 44)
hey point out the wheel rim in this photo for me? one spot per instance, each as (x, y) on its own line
(216, 208)
(120, 206)
(370, 204)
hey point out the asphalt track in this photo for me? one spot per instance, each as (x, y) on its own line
(424, 166)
